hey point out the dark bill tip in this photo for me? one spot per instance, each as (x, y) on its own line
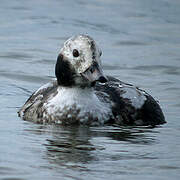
(102, 79)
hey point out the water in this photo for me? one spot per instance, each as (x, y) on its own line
(141, 45)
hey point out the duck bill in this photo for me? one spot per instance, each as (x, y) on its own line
(94, 73)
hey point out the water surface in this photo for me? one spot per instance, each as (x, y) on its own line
(141, 45)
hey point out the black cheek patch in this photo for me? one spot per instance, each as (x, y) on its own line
(64, 72)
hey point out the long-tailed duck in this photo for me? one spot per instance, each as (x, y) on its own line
(83, 95)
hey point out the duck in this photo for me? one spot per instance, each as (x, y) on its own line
(82, 94)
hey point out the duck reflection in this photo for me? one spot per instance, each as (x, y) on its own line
(74, 147)
(71, 145)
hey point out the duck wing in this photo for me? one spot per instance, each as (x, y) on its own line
(130, 105)
(32, 107)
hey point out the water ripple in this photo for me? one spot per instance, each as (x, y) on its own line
(96, 26)
(130, 43)
(15, 55)
(23, 77)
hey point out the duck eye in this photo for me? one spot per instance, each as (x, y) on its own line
(75, 53)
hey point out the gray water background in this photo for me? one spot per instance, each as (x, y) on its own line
(140, 40)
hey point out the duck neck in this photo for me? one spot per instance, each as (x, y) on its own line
(77, 91)
(79, 96)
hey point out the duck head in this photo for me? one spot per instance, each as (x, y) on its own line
(78, 63)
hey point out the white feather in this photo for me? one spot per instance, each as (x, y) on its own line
(81, 99)
(136, 97)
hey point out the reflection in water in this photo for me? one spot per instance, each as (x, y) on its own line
(74, 146)
(70, 145)
(130, 135)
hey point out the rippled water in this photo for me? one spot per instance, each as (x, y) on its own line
(140, 40)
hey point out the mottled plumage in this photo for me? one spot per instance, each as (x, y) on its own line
(83, 95)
